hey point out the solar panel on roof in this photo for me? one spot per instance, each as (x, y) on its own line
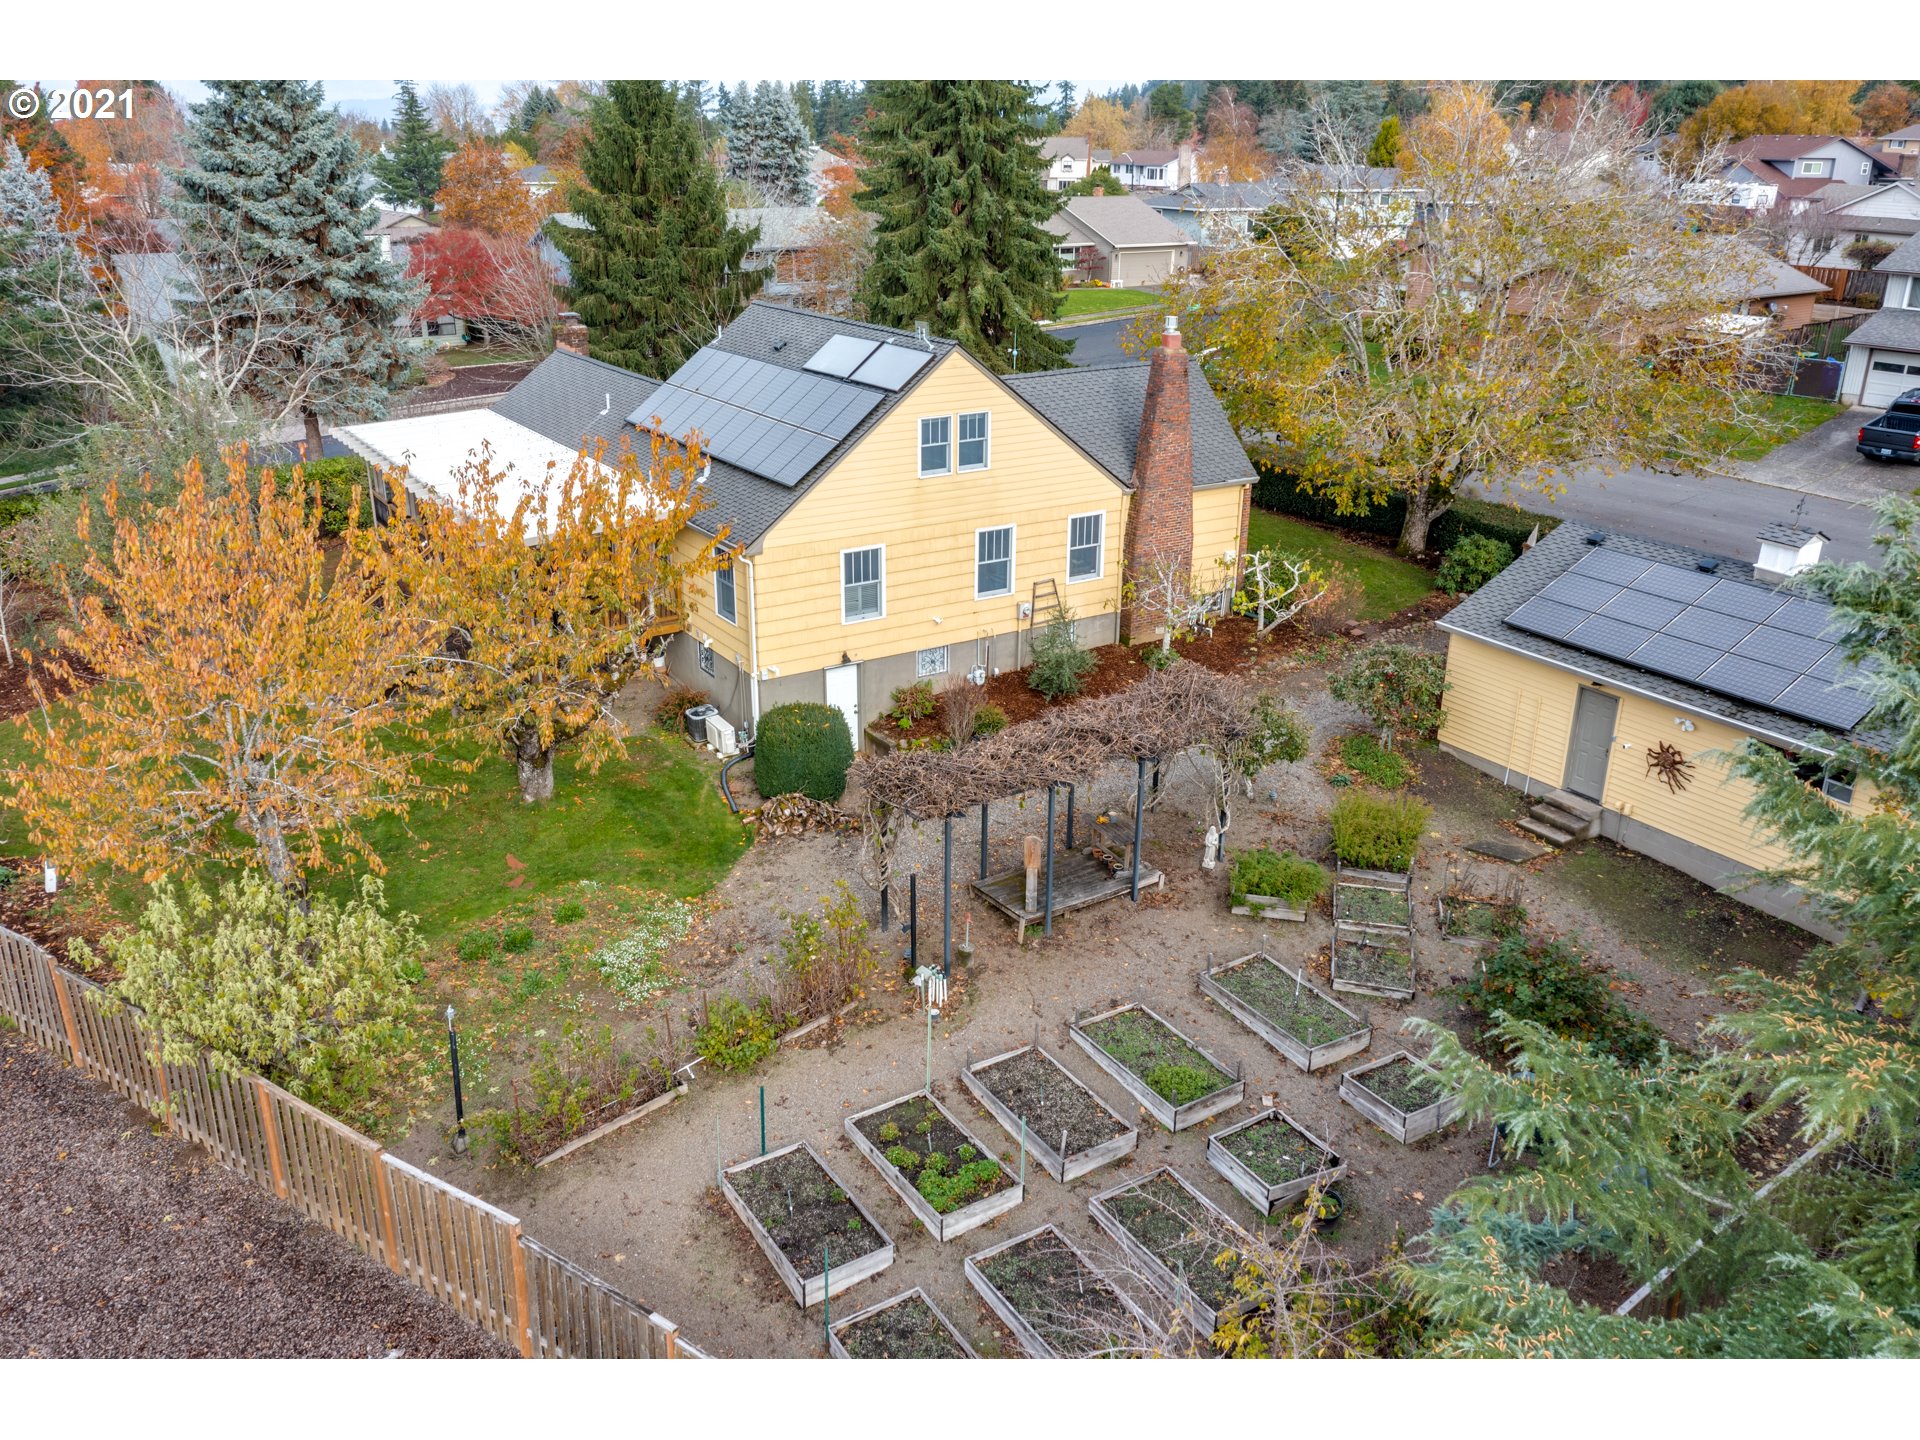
(1673, 583)
(891, 366)
(1670, 655)
(1783, 648)
(1614, 638)
(1839, 706)
(1735, 597)
(841, 356)
(1803, 617)
(1546, 617)
(1707, 627)
(1637, 608)
(1581, 590)
(1746, 679)
(1612, 565)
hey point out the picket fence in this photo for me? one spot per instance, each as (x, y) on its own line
(454, 1246)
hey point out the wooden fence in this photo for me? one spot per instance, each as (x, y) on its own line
(459, 1249)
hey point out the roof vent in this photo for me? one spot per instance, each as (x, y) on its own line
(1596, 537)
(922, 334)
(1707, 565)
(778, 346)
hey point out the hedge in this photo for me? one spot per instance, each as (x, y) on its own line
(337, 476)
(803, 748)
(1276, 490)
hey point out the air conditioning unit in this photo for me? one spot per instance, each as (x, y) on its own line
(721, 736)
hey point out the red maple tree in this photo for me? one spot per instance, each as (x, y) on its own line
(500, 284)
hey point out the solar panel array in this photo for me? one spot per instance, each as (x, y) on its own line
(868, 362)
(841, 356)
(764, 419)
(1732, 637)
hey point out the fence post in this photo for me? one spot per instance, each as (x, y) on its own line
(386, 1210)
(670, 1334)
(66, 1011)
(520, 1295)
(166, 1095)
(271, 1129)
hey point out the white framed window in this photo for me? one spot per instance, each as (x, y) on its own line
(863, 590)
(993, 562)
(725, 599)
(929, 663)
(973, 440)
(936, 445)
(1086, 546)
(705, 653)
(1812, 167)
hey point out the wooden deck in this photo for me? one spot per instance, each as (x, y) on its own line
(1079, 880)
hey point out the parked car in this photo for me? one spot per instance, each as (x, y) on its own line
(1896, 434)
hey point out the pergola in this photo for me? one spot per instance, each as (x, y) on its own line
(1185, 707)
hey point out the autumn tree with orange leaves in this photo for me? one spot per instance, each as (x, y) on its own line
(1232, 150)
(550, 590)
(251, 692)
(479, 190)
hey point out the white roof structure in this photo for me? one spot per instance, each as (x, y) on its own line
(435, 448)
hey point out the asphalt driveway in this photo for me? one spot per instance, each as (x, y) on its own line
(1823, 462)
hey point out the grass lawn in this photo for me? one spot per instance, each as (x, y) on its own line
(463, 355)
(1090, 301)
(1786, 417)
(1391, 583)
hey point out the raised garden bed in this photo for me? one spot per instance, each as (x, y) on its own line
(1472, 920)
(1273, 1160)
(1287, 1010)
(1028, 1085)
(797, 1210)
(1055, 1303)
(1174, 1080)
(1266, 907)
(1403, 1096)
(1373, 962)
(947, 1178)
(1377, 899)
(1175, 1237)
(907, 1327)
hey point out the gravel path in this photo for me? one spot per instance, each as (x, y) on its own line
(120, 1242)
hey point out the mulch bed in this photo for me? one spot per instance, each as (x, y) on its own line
(121, 1243)
(466, 382)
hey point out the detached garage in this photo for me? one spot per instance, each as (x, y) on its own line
(1883, 355)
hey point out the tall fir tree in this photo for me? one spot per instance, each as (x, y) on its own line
(1384, 152)
(774, 150)
(40, 260)
(959, 189)
(408, 170)
(659, 267)
(802, 93)
(269, 205)
(1064, 107)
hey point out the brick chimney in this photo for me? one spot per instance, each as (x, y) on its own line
(569, 333)
(1160, 517)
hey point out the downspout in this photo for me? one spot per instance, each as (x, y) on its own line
(753, 643)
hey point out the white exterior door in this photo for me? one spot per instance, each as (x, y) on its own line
(1888, 373)
(843, 690)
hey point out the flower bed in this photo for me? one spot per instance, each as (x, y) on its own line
(907, 1327)
(1176, 1237)
(1403, 1096)
(1032, 1094)
(1287, 1010)
(1053, 1300)
(1380, 899)
(948, 1179)
(1372, 962)
(1273, 1160)
(797, 1211)
(1174, 1080)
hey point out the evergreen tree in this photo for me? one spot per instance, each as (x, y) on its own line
(775, 162)
(1064, 107)
(1168, 107)
(958, 186)
(802, 93)
(539, 104)
(838, 110)
(40, 259)
(658, 268)
(409, 168)
(270, 201)
(1384, 152)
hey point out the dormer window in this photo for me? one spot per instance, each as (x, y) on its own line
(1813, 167)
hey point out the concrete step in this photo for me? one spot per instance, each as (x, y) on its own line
(1577, 826)
(1573, 804)
(1552, 834)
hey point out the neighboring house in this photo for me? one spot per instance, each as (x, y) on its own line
(1219, 214)
(895, 510)
(1154, 169)
(151, 285)
(1119, 240)
(1798, 166)
(1903, 146)
(395, 230)
(1570, 670)
(787, 232)
(1069, 159)
(539, 180)
(1883, 353)
(1780, 291)
(1852, 214)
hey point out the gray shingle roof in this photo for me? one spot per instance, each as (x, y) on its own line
(570, 397)
(1483, 615)
(1889, 330)
(1903, 261)
(1123, 221)
(1098, 408)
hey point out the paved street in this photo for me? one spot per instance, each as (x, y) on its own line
(1824, 462)
(1097, 342)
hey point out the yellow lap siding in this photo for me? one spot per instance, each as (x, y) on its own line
(728, 638)
(1034, 481)
(1216, 534)
(1508, 709)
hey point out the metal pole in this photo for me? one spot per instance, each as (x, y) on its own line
(1023, 1154)
(459, 1101)
(826, 1288)
(946, 896)
(983, 840)
(1072, 790)
(1139, 819)
(1053, 792)
(913, 917)
(929, 1049)
(763, 1119)
(886, 919)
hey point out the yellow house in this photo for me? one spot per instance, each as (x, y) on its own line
(898, 512)
(1604, 673)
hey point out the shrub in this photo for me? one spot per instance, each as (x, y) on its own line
(1377, 832)
(1368, 759)
(1155, 657)
(341, 480)
(1396, 687)
(1473, 560)
(568, 911)
(476, 945)
(826, 957)
(309, 992)
(1277, 490)
(803, 748)
(517, 940)
(1279, 736)
(990, 721)
(737, 1036)
(912, 703)
(670, 710)
(574, 1083)
(1550, 983)
(1340, 606)
(960, 705)
(1060, 662)
(1292, 879)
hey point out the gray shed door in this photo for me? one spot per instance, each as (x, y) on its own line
(1593, 717)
